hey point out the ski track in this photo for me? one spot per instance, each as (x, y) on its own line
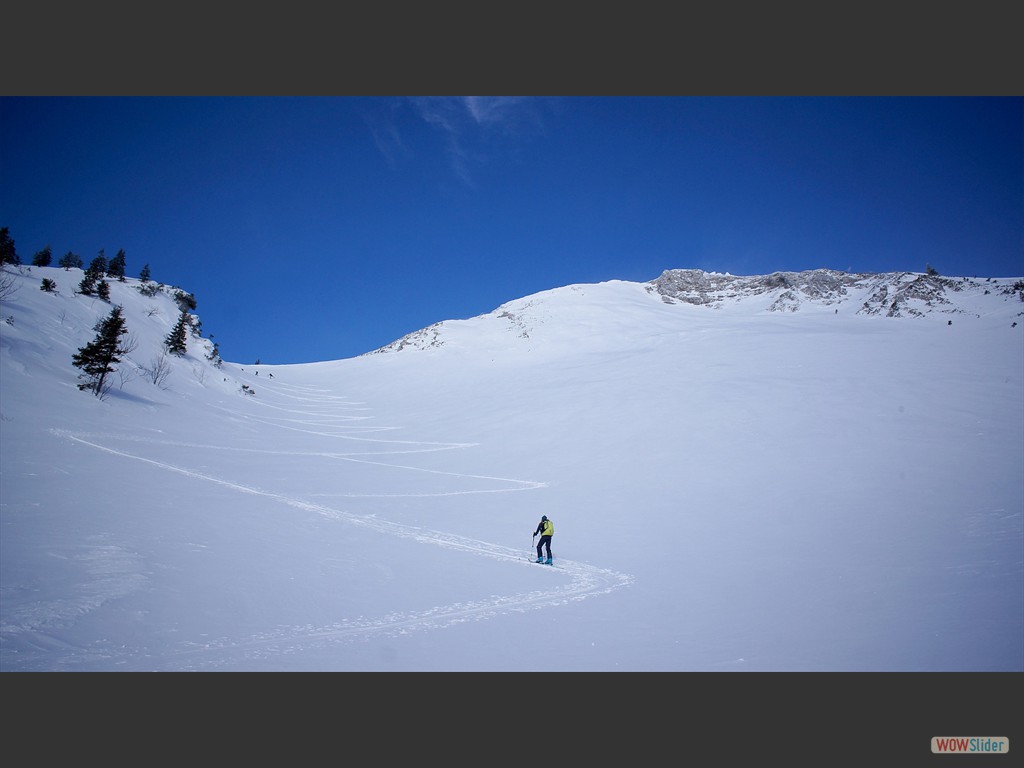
(312, 414)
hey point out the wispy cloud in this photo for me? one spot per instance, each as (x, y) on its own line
(494, 109)
(471, 124)
(474, 130)
(386, 136)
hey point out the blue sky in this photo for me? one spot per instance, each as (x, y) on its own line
(321, 228)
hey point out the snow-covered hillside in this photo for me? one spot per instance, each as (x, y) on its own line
(894, 294)
(801, 471)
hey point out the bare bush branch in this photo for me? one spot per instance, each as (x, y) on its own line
(8, 285)
(129, 345)
(159, 369)
(125, 375)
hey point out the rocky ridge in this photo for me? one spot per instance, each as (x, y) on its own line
(893, 294)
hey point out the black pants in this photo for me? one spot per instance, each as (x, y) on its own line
(545, 541)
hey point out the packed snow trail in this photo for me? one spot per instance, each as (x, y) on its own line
(571, 581)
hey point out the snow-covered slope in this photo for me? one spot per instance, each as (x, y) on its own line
(598, 310)
(834, 486)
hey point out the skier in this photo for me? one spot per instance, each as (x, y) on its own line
(546, 529)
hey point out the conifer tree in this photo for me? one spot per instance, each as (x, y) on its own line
(70, 261)
(98, 357)
(176, 339)
(42, 258)
(98, 266)
(117, 265)
(103, 290)
(87, 284)
(8, 254)
(144, 274)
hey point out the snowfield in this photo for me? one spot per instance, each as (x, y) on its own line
(805, 472)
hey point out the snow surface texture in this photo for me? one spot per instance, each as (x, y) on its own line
(794, 472)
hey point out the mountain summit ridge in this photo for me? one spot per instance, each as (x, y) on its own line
(887, 294)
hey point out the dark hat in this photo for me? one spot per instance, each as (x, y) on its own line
(543, 517)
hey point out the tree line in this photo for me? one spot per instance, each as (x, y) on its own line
(98, 358)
